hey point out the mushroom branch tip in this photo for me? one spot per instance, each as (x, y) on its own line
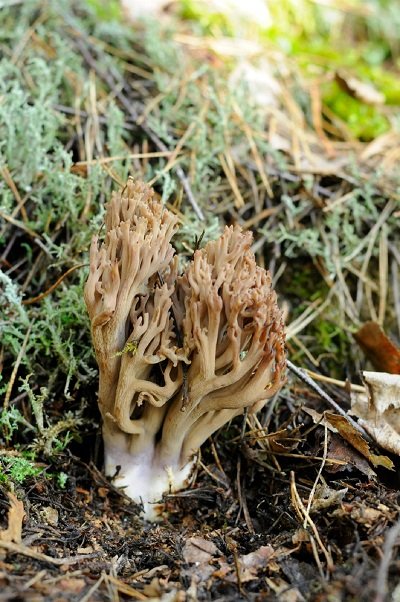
(179, 354)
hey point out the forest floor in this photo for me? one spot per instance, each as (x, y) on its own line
(288, 505)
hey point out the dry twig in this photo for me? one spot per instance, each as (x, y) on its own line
(302, 375)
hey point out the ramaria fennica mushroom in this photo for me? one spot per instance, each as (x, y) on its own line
(179, 356)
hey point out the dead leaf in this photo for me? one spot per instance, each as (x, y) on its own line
(16, 514)
(338, 449)
(284, 440)
(300, 536)
(383, 354)
(248, 565)
(356, 88)
(325, 497)
(352, 436)
(79, 170)
(364, 515)
(260, 80)
(319, 418)
(155, 590)
(251, 563)
(50, 515)
(198, 550)
(379, 408)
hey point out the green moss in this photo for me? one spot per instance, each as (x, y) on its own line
(18, 468)
(364, 121)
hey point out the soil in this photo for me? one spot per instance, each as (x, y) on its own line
(237, 534)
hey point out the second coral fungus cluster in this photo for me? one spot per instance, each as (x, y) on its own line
(178, 355)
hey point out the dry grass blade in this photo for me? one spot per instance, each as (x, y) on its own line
(103, 160)
(383, 274)
(88, 596)
(303, 515)
(127, 104)
(125, 589)
(314, 487)
(228, 167)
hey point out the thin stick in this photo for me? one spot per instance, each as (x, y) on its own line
(381, 580)
(103, 160)
(15, 369)
(15, 548)
(4, 171)
(302, 375)
(334, 381)
(314, 487)
(383, 274)
(124, 588)
(93, 589)
(19, 224)
(53, 286)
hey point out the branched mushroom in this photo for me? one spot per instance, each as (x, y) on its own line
(178, 356)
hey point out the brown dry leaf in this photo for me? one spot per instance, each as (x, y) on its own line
(379, 408)
(366, 516)
(301, 535)
(383, 354)
(352, 436)
(318, 418)
(283, 440)
(251, 563)
(248, 565)
(155, 590)
(198, 550)
(79, 170)
(325, 497)
(50, 515)
(362, 91)
(16, 515)
(338, 449)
